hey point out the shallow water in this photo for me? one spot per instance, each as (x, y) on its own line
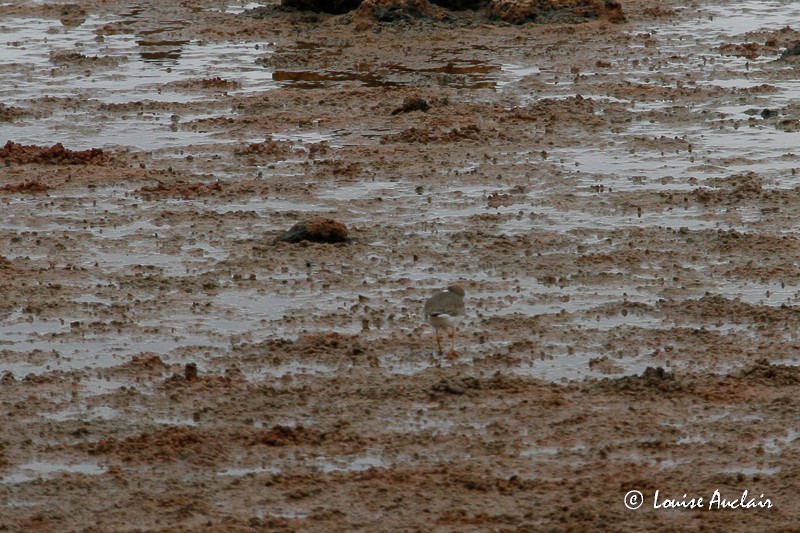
(120, 68)
(43, 470)
(131, 69)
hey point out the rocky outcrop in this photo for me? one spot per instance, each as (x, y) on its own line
(555, 11)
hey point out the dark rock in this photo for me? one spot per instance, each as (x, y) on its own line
(614, 12)
(317, 229)
(323, 6)
(460, 5)
(190, 372)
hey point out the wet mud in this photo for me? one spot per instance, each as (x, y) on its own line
(619, 200)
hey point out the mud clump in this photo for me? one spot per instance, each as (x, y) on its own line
(215, 83)
(746, 50)
(55, 155)
(456, 387)
(731, 190)
(170, 444)
(330, 348)
(400, 10)
(791, 51)
(10, 113)
(180, 189)
(766, 373)
(434, 135)
(555, 11)
(412, 103)
(28, 187)
(146, 362)
(652, 379)
(66, 59)
(268, 148)
(322, 230)
(71, 15)
(284, 435)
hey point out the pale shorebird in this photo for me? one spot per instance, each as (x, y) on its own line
(444, 310)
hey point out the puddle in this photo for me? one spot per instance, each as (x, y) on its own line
(258, 308)
(458, 73)
(328, 465)
(319, 463)
(368, 189)
(607, 322)
(719, 148)
(252, 471)
(752, 470)
(238, 8)
(118, 69)
(174, 421)
(101, 413)
(787, 362)
(314, 79)
(80, 353)
(692, 439)
(294, 368)
(46, 470)
(408, 365)
(575, 367)
(777, 445)
(746, 17)
(547, 452)
(515, 73)
(134, 65)
(772, 294)
(255, 205)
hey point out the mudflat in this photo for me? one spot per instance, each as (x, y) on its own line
(618, 198)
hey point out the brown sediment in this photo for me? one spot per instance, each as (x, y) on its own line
(169, 364)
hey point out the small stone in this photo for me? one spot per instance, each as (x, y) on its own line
(190, 372)
(412, 103)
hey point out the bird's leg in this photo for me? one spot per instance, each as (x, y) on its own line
(439, 342)
(453, 353)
